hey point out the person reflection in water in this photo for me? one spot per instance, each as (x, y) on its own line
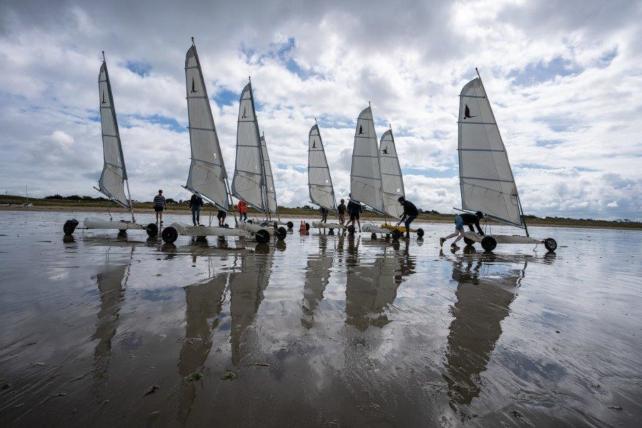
(481, 305)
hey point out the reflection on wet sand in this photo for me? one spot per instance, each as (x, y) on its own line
(111, 280)
(203, 306)
(483, 300)
(246, 294)
(317, 276)
(370, 288)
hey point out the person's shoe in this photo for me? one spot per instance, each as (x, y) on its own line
(441, 242)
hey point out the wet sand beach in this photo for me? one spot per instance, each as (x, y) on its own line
(325, 331)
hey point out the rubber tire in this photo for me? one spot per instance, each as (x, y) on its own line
(152, 230)
(281, 233)
(331, 232)
(420, 232)
(396, 235)
(262, 236)
(550, 244)
(488, 243)
(70, 226)
(169, 235)
(469, 242)
(373, 235)
(290, 225)
(307, 227)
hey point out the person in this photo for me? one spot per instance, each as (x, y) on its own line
(221, 217)
(324, 215)
(462, 220)
(195, 203)
(354, 209)
(242, 207)
(159, 206)
(341, 209)
(410, 213)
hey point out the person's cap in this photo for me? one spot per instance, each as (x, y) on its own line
(160, 190)
(479, 214)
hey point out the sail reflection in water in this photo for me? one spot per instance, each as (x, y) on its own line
(483, 299)
(317, 276)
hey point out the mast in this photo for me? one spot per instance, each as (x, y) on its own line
(519, 201)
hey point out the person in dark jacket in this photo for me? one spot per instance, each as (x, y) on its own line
(354, 209)
(341, 209)
(324, 215)
(159, 206)
(410, 213)
(195, 203)
(462, 220)
(221, 215)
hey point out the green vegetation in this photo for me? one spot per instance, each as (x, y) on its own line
(87, 203)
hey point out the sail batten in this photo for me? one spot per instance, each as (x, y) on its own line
(485, 175)
(319, 179)
(248, 183)
(207, 174)
(391, 176)
(114, 173)
(365, 173)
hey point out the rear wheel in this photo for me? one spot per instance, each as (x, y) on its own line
(373, 236)
(550, 244)
(331, 232)
(281, 233)
(70, 226)
(469, 242)
(420, 232)
(169, 235)
(152, 230)
(262, 236)
(488, 243)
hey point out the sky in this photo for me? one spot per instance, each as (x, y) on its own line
(564, 79)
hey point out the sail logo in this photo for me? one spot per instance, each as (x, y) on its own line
(193, 86)
(360, 129)
(467, 112)
(104, 101)
(244, 115)
(385, 150)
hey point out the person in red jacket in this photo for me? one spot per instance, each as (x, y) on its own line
(242, 207)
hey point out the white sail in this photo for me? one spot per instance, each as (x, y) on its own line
(319, 180)
(112, 179)
(269, 178)
(391, 177)
(248, 182)
(485, 175)
(365, 174)
(207, 175)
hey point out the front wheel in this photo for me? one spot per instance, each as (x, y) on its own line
(373, 236)
(169, 235)
(70, 226)
(469, 242)
(550, 244)
(420, 232)
(488, 243)
(281, 233)
(262, 236)
(290, 225)
(152, 230)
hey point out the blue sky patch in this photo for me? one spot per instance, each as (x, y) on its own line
(225, 97)
(139, 67)
(539, 72)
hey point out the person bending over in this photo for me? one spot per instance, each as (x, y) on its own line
(410, 213)
(221, 217)
(196, 203)
(159, 206)
(462, 220)
(354, 209)
(242, 207)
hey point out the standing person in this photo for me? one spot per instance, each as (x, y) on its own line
(195, 203)
(462, 220)
(354, 209)
(242, 207)
(341, 210)
(221, 217)
(324, 215)
(159, 206)
(410, 213)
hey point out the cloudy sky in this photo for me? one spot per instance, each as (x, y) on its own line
(564, 78)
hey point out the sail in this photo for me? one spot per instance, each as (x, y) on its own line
(485, 175)
(207, 171)
(114, 174)
(391, 177)
(269, 178)
(319, 180)
(365, 174)
(248, 182)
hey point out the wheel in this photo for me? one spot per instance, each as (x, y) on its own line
(469, 242)
(169, 235)
(307, 227)
(331, 232)
(281, 233)
(373, 235)
(152, 230)
(70, 226)
(290, 225)
(550, 244)
(262, 236)
(488, 243)
(396, 234)
(351, 230)
(122, 233)
(420, 232)
(201, 239)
